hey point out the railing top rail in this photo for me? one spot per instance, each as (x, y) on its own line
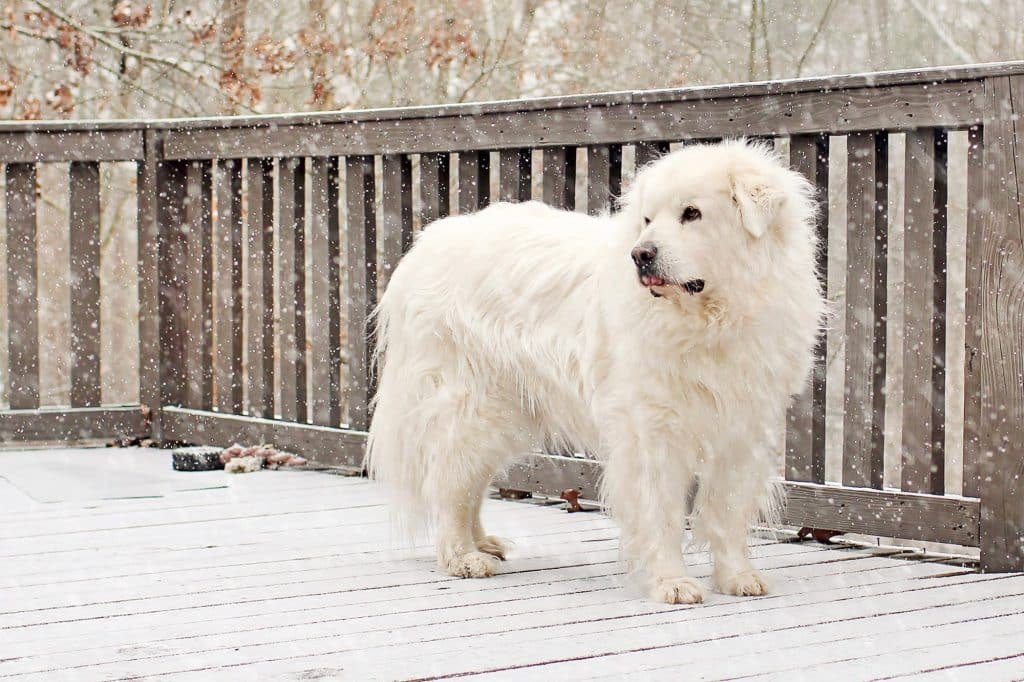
(880, 79)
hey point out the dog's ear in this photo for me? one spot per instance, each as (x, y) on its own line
(757, 201)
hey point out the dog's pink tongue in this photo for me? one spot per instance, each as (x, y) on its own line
(652, 281)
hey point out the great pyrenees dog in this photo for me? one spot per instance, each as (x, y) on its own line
(666, 340)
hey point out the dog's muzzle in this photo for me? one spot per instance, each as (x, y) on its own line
(645, 257)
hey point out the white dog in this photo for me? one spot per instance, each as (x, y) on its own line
(666, 339)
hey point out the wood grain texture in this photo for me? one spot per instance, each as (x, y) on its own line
(435, 186)
(199, 320)
(972, 312)
(76, 424)
(260, 287)
(396, 229)
(604, 177)
(173, 279)
(474, 181)
(805, 421)
(334, 301)
(22, 284)
(924, 313)
(323, 445)
(300, 366)
(515, 180)
(323, 323)
(148, 258)
(1002, 331)
(227, 290)
(866, 282)
(84, 250)
(322, 548)
(560, 177)
(887, 513)
(291, 295)
(967, 76)
(362, 285)
(859, 510)
(286, 265)
(67, 145)
(899, 107)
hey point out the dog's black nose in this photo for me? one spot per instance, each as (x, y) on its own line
(644, 254)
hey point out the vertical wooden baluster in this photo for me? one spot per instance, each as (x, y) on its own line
(170, 214)
(260, 236)
(334, 291)
(84, 225)
(604, 177)
(396, 231)
(646, 152)
(362, 263)
(323, 324)
(560, 177)
(147, 227)
(286, 342)
(972, 312)
(515, 168)
(805, 433)
(866, 282)
(924, 310)
(474, 181)
(227, 293)
(434, 187)
(199, 320)
(22, 283)
(301, 371)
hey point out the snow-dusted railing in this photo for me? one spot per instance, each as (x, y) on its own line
(263, 242)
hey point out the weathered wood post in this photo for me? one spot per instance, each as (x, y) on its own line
(162, 303)
(1001, 434)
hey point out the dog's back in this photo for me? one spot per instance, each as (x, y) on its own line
(479, 303)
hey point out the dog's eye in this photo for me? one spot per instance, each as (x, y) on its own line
(647, 221)
(690, 213)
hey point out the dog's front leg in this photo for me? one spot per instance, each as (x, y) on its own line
(732, 493)
(649, 509)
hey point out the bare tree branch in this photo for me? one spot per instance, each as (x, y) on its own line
(814, 38)
(121, 49)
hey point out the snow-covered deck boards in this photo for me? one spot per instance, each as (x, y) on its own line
(114, 566)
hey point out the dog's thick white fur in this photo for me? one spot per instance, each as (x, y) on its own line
(666, 339)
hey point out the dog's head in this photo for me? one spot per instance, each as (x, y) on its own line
(705, 218)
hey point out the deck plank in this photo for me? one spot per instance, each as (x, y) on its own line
(280, 575)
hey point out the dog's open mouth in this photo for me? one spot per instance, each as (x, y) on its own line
(693, 286)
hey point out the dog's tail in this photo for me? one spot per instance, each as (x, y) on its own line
(391, 452)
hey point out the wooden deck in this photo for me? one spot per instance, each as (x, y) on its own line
(117, 567)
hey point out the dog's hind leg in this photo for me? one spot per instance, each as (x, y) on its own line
(465, 451)
(457, 551)
(488, 544)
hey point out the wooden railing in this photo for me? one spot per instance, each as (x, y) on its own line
(263, 243)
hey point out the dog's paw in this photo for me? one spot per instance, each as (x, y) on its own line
(471, 565)
(496, 547)
(749, 583)
(677, 591)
